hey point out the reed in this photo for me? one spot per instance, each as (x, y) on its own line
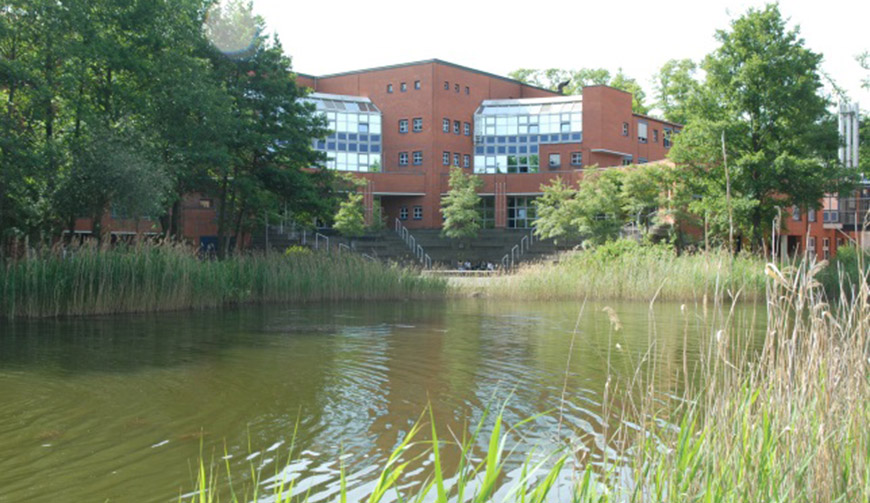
(783, 421)
(626, 270)
(159, 277)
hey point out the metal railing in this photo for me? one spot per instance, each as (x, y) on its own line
(518, 250)
(411, 242)
(318, 237)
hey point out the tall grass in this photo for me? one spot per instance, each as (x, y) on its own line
(626, 270)
(146, 278)
(786, 421)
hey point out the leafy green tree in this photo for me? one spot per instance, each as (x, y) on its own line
(762, 91)
(350, 220)
(676, 86)
(576, 80)
(459, 206)
(554, 211)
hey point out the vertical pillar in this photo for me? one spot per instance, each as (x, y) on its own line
(369, 201)
(500, 205)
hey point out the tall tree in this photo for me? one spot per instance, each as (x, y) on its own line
(763, 93)
(459, 206)
(676, 86)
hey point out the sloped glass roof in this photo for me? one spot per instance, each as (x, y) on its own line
(531, 106)
(340, 103)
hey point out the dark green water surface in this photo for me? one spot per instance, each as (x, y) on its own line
(117, 408)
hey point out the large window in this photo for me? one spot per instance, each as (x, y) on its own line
(642, 132)
(491, 164)
(354, 142)
(520, 212)
(555, 161)
(666, 138)
(486, 210)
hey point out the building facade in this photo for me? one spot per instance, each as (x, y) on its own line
(402, 127)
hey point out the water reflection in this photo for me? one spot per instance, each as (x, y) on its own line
(116, 407)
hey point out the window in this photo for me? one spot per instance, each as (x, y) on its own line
(655, 135)
(467, 129)
(626, 161)
(456, 126)
(445, 158)
(446, 85)
(456, 157)
(811, 215)
(555, 160)
(467, 90)
(466, 161)
(418, 158)
(363, 127)
(205, 203)
(520, 212)
(576, 158)
(403, 158)
(642, 132)
(403, 213)
(642, 160)
(456, 87)
(445, 125)
(666, 138)
(389, 88)
(826, 248)
(418, 124)
(796, 213)
(486, 211)
(403, 87)
(811, 247)
(624, 129)
(417, 85)
(403, 125)
(418, 213)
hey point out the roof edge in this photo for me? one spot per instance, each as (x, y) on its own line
(425, 62)
(657, 119)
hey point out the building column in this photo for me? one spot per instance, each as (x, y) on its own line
(500, 202)
(369, 201)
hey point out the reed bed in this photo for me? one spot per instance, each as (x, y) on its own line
(785, 421)
(625, 270)
(159, 277)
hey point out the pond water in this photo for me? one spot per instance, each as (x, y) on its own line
(119, 408)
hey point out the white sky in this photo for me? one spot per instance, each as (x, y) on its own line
(500, 36)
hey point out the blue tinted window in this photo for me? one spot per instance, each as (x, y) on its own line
(478, 150)
(376, 137)
(363, 147)
(577, 136)
(363, 137)
(352, 147)
(512, 150)
(490, 139)
(352, 136)
(321, 144)
(342, 146)
(524, 139)
(533, 149)
(501, 150)
(330, 145)
(524, 149)
(502, 139)
(331, 137)
(376, 148)
(566, 137)
(512, 139)
(490, 150)
(342, 136)
(533, 139)
(554, 137)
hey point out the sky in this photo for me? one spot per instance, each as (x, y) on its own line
(501, 36)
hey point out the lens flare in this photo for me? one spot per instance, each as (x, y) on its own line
(232, 28)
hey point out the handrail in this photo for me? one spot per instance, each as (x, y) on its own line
(342, 245)
(411, 242)
(317, 237)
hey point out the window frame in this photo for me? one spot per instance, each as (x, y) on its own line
(403, 87)
(466, 161)
(445, 125)
(389, 88)
(417, 85)
(457, 127)
(625, 129)
(403, 126)
(577, 158)
(466, 128)
(403, 213)
(418, 212)
(417, 158)
(558, 158)
(403, 158)
(445, 158)
(417, 121)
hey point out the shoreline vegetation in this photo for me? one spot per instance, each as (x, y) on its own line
(783, 421)
(91, 280)
(627, 270)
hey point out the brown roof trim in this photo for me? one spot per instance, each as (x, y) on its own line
(650, 117)
(426, 62)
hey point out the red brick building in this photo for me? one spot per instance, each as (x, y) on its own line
(435, 114)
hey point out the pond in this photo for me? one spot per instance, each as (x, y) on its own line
(120, 408)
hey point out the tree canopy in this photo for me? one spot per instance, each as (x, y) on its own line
(575, 80)
(460, 205)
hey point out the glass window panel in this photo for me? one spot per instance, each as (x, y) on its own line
(501, 163)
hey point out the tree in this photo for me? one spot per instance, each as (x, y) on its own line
(459, 206)
(762, 92)
(350, 220)
(675, 86)
(554, 211)
(576, 80)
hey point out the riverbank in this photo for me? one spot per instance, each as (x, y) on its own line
(783, 422)
(150, 278)
(628, 271)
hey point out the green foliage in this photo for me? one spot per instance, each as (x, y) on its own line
(780, 140)
(848, 270)
(460, 205)
(350, 220)
(576, 80)
(555, 212)
(149, 278)
(676, 86)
